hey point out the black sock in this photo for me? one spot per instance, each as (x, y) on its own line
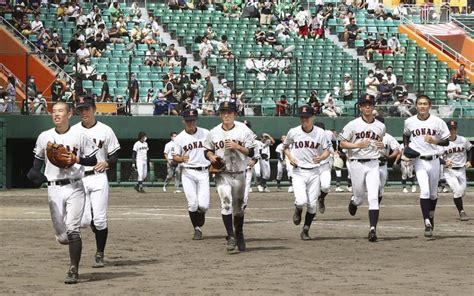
(101, 239)
(404, 183)
(338, 181)
(264, 182)
(458, 203)
(349, 183)
(227, 219)
(323, 195)
(308, 219)
(140, 183)
(433, 203)
(194, 216)
(425, 208)
(380, 199)
(75, 248)
(202, 218)
(278, 183)
(373, 218)
(239, 224)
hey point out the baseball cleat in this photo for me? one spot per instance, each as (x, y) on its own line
(266, 190)
(428, 231)
(240, 240)
(305, 234)
(137, 188)
(260, 188)
(463, 216)
(339, 189)
(177, 191)
(413, 188)
(197, 234)
(405, 190)
(72, 276)
(349, 188)
(164, 188)
(352, 208)
(321, 206)
(372, 235)
(231, 245)
(297, 216)
(99, 260)
(290, 189)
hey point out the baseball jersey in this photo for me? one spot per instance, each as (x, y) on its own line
(240, 133)
(389, 143)
(330, 137)
(103, 137)
(141, 148)
(417, 129)
(456, 152)
(358, 130)
(192, 145)
(305, 146)
(169, 147)
(75, 142)
(279, 150)
(265, 148)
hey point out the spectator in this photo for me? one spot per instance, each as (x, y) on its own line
(394, 45)
(259, 35)
(134, 12)
(57, 89)
(115, 36)
(205, 50)
(210, 33)
(385, 90)
(342, 10)
(87, 71)
(400, 11)
(347, 19)
(72, 12)
(328, 12)
(154, 24)
(115, 10)
(133, 89)
(83, 52)
(25, 26)
(351, 32)
(319, 5)
(168, 90)
(149, 37)
(105, 91)
(282, 106)
(98, 46)
(329, 106)
(121, 25)
(82, 20)
(183, 80)
(471, 94)
(460, 75)
(392, 79)
(74, 44)
(195, 79)
(151, 57)
(266, 12)
(173, 4)
(188, 99)
(381, 44)
(40, 106)
(371, 84)
(149, 96)
(403, 106)
(371, 6)
(313, 101)
(226, 90)
(270, 36)
(284, 35)
(68, 95)
(61, 11)
(302, 19)
(18, 15)
(231, 9)
(378, 74)
(379, 12)
(348, 87)
(36, 25)
(53, 43)
(60, 57)
(136, 33)
(369, 47)
(172, 52)
(31, 88)
(11, 94)
(208, 97)
(43, 40)
(224, 48)
(454, 91)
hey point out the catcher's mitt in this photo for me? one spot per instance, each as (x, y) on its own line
(410, 153)
(217, 166)
(57, 155)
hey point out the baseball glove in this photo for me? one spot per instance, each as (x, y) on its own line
(410, 153)
(57, 155)
(36, 177)
(217, 166)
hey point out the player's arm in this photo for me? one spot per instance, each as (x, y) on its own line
(35, 175)
(287, 151)
(134, 158)
(442, 142)
(470, 155)
(229, 144)
(359, 145)
(270, 138)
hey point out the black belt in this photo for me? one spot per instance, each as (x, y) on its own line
(431, 157)
(456, 168)
(88, 173)
(307, 168)
(62, 182)
(197, 168)
(363, 159)
(233, 173)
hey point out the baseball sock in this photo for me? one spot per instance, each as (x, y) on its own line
(458, 203)
(308, 219)
(380, 199)
(433, 203)
(140, 183)
(373, 217)
(194, 218)
(239, 224)
(425, 205)
(202, 218)
(75, 248)
(323, 195)
(101, 239)
(227, 219)
(278, 183)
(404, 183)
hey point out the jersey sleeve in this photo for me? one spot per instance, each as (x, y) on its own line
(289, 138)
(135, 147)
(467, 144)
(208, 143)
(87, 146)
(112, 142)
(249, 140)
(176, 147)
(40, 147)
(443, 130)
(393, 144)
(347, 133)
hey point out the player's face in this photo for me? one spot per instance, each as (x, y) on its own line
(87, 114)
(366, 109)
(283, 138)
(190, 124)
(227, 117)
(60, 114)
(306, 121)
(423, 106)
(453, 131)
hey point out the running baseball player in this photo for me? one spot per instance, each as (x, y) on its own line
(65, 189)
(95, 182)
(140, 160)
(231, 141)
(325, 169)
(310, 147)
(457, 158)
(250, 170)
(189, 151)
(407, 169)
(282, 167)
(173, 168)
(263, 174)
(362, 137)
(423, 135)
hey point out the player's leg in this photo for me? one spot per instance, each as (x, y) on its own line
(265, 166)
(279, 175)
(141, 176)
(411, 176)
(177, 179)
(325, 180)
(238, 190)
(224, 190)
(359, 188)
(312, 192)
(248, 184)
(404, 170)
(456, 179)
(349, 177)
(57, 208)
(434, 175)
(87, 216)
(422, 176)
(99, 196)
(204, 196)
(289, 172)
(383, 171)
(190, 185)
(300, 193)
(258, 174)
(169, 175)
(372, 181)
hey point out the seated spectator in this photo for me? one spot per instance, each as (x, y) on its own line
(205, 51)
(115, 10)
(105, 91)
(60, 56)
(282, 106)
(36, 25)
(195, 79)
(224, 48)
(18, 15)
(25, 26)
(259, 35)
(381, 44)
(72, 12)
(225, 88)
(82, 20)
(351, 32)
(347, 19)
(182, 82)
(54, 43)
(121, 25)
(134, 12)
(342, 10)
(57, 89)
(328, 12)
(83, 52)
(313, 101)
(454, 91)
(173, 4)
(43, 40)
(392, 79)
(369, 47)
(61, 11)
(151, 58)
(371, 84)
(182, 4)
(284, 35)
(98, 46)
(136, 33)
(270, 36)
(379, 12)
(266, 12)
(371, 6)
(329, 106)
(460, 75)
(348, 87)
(210, 33)
(385, 92)
(31, 88)
(40, 106)
(302, 19)
(115, 36)
(149, 37)
(154, 24)
(74, 44)
(231, 9)
(394, 45)
(87, 71)
(400, 11)
(403, 106)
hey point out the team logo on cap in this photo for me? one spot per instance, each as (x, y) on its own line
(191, 113)
(81, 100)
(304, 110)
(226, 104)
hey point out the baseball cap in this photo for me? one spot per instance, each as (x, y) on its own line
(190, 114)
(347, 75)
(366, 98)
(85, 102)
(305, 111)
(452, 124)
(400, 95)
(227, 106)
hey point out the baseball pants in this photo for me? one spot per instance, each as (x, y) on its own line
(142, 170)
(306, 186)
(196, 189)
(281, 168)
(231, 190)
(176, 172)
(407, 169)
(456, 179)
(366, 180)
(264, 169)
(383, 170)
(289, 168)
(97, 198)
(66, 205)
(427, 175)
(325, 177)
(248, 183)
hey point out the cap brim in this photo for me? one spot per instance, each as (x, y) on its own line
(227, 109)
(87, 105)
(190, 118)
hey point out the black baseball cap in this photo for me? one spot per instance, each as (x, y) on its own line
(305, 111)
(452, 124)
(85, 102)
(190, 114)
(227, 106)
(366, 98)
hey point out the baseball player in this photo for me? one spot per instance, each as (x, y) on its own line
(250, 170)
(65, 189)
(457, 157)
(310, 147)
(140, 160)
(263, 165)
(189, 151)
(325, 169)
(173, 168)
(407, 169)
(232, 141)
(282, 164)
(424, 133)
(362, 137)
(95, 182)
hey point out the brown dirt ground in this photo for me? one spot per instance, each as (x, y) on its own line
(150, 250)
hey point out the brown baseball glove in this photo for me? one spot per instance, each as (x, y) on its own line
(217, 166)
(58, 155)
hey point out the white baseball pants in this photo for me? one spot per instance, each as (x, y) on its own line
(196, 189)
(306, 186)
(365, 178)
(427, 175)
(383, 170)
(325, 177)
(97, 199)
(231, 190)
(456, 179)
(142, 170)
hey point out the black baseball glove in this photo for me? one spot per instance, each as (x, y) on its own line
(410, 153)
(36, 177)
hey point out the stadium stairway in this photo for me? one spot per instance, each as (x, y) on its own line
(466, 21)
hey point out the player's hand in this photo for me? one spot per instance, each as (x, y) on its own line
(317, 159)
(364, 144)
(185, 158)
(212, 157)
(71, 157)
(101, 166)
(468, 165)
(229, 144)
(429, 139)
(379, 145)
(448, 163)
(251, 163)
(293, 162)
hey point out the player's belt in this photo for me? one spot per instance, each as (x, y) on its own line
(307, 168)
(363, 159)
(429, 157)
(197, 168)
(457, 168)
(234, 173)
(91, 172)
(62, 182)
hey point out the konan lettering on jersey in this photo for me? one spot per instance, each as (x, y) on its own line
(423, 132)
(367, 135)
(305, 144)
(100, 144)
(191, 146)
(455, 150)
(221, 144)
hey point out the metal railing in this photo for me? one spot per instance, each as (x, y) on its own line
(463, 26)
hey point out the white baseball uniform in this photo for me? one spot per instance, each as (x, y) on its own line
(264, 161)
(249, 172)
(406, 165)
(390, 144)
(364, 163)
(281, 166)
(173, 169)
(65, 189)
(455, 175)
(304, 147)
(427, 166)
(141, 149)
(326, 165)
(195, 174)
(96, 184)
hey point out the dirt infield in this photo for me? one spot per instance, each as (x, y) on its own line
(150, 250)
